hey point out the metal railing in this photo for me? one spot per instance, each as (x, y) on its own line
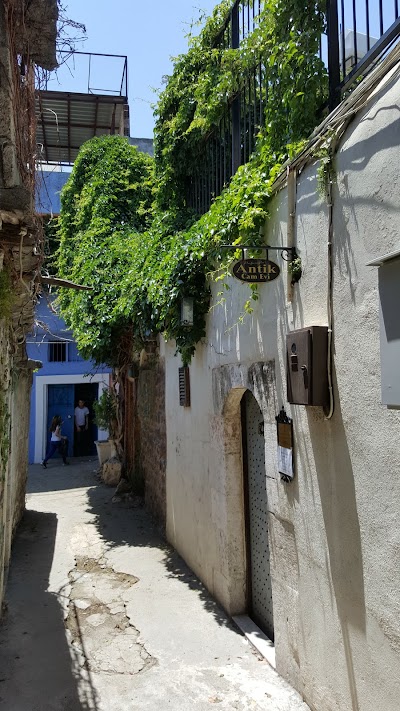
(85, 69)
(233, 140)
(60, 351)
(358, 34)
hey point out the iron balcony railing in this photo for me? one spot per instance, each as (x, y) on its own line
(86, 70)
(358, 34)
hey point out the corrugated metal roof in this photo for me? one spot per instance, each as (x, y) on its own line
(66, 120)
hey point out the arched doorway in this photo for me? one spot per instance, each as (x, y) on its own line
(259, 587)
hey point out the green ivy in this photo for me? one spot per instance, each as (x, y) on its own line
(326, 172)
(205, 80)
(105, 411)
(107, 204)
(51, 242)
(125, 228)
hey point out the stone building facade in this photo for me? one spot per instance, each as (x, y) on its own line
(145, 441)
(314, 561)
(27, 38)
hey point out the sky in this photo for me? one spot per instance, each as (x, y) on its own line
(149, 33)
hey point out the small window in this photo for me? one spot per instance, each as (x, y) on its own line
(57, 352)
(184, 387)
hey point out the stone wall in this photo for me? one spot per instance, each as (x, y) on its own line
(5, 398)
(21, 392)
(13, 504)
(152, 448)
(28, 30)
(17, 290)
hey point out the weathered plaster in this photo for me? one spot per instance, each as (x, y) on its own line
(35, 26)
(28, 30)
(150, 433)
(334, 535)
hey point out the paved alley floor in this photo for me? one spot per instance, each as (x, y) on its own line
(104, 616)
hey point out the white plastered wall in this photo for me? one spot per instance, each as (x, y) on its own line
(42, 383)
(334, 531)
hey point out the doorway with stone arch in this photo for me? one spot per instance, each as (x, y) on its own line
(258, 578)
(245, 402)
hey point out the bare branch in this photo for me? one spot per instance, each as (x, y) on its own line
(55, 281)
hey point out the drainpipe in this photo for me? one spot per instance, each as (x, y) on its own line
(291, 223)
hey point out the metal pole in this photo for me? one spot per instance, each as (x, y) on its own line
(236, 133)
(333, 53)
(88, 81)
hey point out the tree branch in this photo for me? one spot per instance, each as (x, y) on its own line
(55, 281)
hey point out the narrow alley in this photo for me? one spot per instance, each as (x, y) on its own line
(102, 615)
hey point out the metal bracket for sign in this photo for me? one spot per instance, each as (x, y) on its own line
(284, 427)
(288, 254)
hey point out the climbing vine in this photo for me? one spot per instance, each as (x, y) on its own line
(285, 41)
(125, 227)
(326, 172)
(106, 208)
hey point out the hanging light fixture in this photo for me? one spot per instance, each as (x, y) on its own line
(187, 308)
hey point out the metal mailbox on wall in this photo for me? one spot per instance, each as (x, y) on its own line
(307, 366)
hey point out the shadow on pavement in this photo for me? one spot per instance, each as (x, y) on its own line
(122, 524)
(36, 669)
(79, 474)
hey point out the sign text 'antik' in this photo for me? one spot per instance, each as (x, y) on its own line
(255, 270)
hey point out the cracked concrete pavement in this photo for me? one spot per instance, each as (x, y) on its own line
(104, 616)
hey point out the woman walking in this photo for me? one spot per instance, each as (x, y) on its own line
(57, 442)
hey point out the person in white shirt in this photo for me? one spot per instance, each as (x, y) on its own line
(58, 443)
(81, 426)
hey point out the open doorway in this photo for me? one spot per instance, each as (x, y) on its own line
(85, 393)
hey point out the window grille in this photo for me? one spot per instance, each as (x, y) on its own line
(57, 352)
(184, 387)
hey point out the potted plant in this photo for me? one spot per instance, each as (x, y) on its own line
(105, 411)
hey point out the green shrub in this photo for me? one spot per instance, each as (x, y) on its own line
(105, 411)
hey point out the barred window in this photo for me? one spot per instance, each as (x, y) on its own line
(57, 352)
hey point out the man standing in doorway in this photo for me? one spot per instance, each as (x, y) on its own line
(82, 426)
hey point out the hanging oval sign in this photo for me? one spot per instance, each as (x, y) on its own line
(255, 270)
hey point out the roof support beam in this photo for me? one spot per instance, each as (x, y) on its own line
(64, 124)
(86, 98)
(66, 120)
(69, 129)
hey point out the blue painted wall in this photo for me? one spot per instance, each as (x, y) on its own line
(54, 330)
(38, 348)
(49, 184)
